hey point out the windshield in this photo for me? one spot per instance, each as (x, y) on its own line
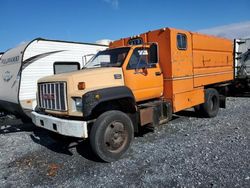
(108, 58)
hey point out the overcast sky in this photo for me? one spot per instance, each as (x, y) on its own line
(235, 30)
(92, 20)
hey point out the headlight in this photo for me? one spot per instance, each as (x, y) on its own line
(78, 103)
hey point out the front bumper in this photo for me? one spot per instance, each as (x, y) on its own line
(61, 126)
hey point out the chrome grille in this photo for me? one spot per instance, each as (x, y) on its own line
(52, 96)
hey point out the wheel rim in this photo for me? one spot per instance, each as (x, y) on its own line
(115, 137)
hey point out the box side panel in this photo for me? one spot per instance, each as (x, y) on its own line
(188, 99)
(212, 60)
(180, 82)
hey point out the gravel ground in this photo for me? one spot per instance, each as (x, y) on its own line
(187, 152)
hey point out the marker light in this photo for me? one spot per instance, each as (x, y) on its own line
(81, 85)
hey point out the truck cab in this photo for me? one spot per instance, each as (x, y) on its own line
(114, 80)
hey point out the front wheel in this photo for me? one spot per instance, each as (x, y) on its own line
(111, 135)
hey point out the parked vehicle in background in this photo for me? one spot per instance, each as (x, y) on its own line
(241, 83)
(139, 81)
(21, 67)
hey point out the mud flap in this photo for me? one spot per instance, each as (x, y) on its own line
(222, 101)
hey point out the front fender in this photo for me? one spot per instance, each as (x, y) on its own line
(91, 99)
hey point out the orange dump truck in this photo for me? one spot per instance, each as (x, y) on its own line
(138, 81)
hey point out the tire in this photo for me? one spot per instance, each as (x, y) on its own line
(211, 105)
(111, 135)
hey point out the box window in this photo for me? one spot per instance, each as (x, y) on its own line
(181, 41)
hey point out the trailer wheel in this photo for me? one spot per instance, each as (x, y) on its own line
(211, 105)
(111, 135)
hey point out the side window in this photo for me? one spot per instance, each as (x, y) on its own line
(140, 59)
(62, 67)
(181, 41)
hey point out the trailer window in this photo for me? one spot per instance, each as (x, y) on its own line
(62, 67)
(181, 41)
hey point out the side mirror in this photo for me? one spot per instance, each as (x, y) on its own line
(153, 53)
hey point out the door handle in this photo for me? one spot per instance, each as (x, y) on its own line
(157, 73)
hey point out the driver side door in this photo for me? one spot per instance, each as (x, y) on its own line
(144, 78)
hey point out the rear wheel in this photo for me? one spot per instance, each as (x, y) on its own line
(111, 135)
(211, 105)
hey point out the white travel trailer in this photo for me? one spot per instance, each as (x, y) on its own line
(21, 67)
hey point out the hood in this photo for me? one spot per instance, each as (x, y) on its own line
(94, 78)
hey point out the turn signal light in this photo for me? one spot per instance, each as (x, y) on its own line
(81, 85)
